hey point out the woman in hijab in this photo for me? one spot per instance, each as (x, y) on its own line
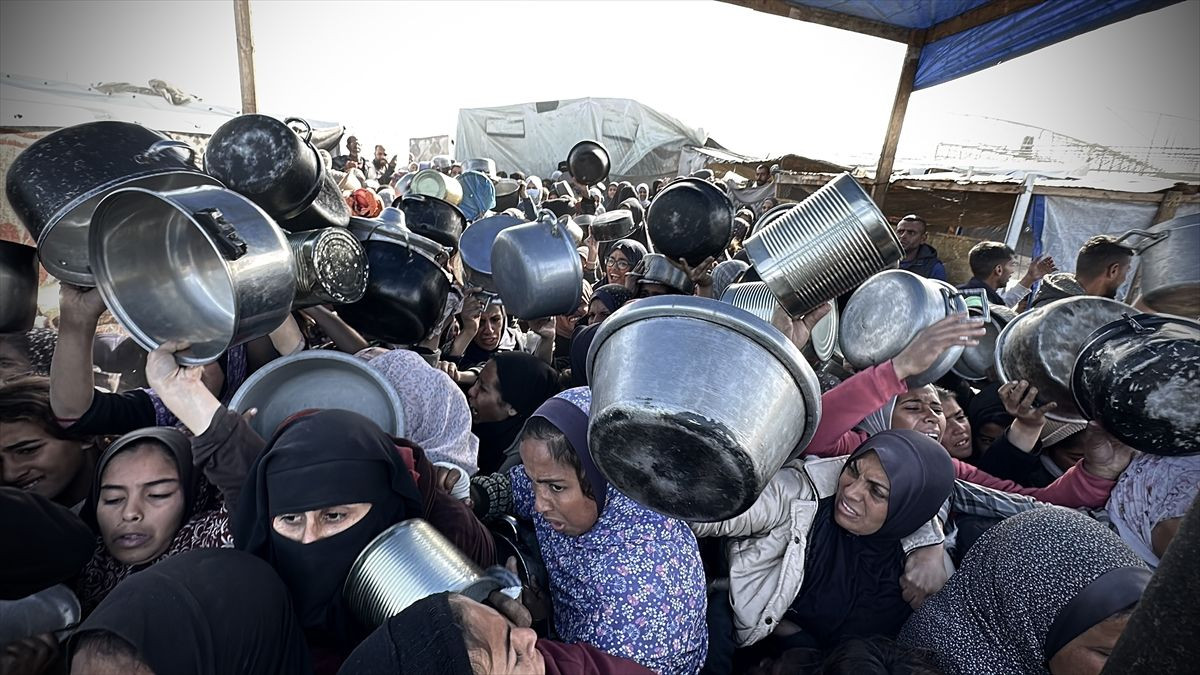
(622, 577)
(534, 194)
(819, 556)
(479, 195)
(436, 414)
(625, 190)
(643, 195)
(510, 387)
(204, 612)
(605, 300)
(1046, 591)
(148, 503)
(326, 485)
(623, 255)
(1150, 500)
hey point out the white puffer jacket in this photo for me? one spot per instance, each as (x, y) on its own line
(768, 543)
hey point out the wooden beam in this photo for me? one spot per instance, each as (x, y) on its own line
(1168, 205)
(977, 17)
(904, 88)
(245, 49)
(827, 17)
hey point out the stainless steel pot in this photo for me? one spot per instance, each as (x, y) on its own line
(658, 270)
(203, 264)
(1041, 345)
(1170, 265)
(695, 433)
(18, 287)
(407, 562)
(55, 184)
(537, 269)
(1140, 377)
(318, 379)
(824, 246)
(889, 310)
(979, 362)
(331, 267)
(475, 248)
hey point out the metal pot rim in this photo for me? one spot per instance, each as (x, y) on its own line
(727, 316)
(391, 234)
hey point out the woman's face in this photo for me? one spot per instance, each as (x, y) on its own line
(1087, 653)
(612, 190)
(487, 405)
(491, 328)
(921, 411)
(616, 265)
(957, 439)
(557, 493)
(309, 526)
(33, 460)
(141, 504)
(861, 504)
(643, 193)
(597, 312)
(987, 434)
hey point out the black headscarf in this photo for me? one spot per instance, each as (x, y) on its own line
(320, 460)
(580, 345)
(525, 382)
(44, 543)
(205, 612)
(852, 583)
(424, 638)
(177, 445)
(612, 296)
(625, 191)
(985, 407)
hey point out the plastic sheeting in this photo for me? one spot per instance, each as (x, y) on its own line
(905, 13)
(642, 143)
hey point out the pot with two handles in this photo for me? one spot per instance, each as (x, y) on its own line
(1170, 266)
(475, 249)
(203, 265)
(537, 269)
(55, 184)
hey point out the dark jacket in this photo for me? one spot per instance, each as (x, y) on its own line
(926, 264)
(992, 296)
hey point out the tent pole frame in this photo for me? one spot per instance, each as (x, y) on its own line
(904, 89)
(245, 50)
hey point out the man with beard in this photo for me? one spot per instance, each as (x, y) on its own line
(919, 257)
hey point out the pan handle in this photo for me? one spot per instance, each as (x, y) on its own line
(224, 235)
(307, 127)
(158, 148)
(967, 294)
(1154, 238)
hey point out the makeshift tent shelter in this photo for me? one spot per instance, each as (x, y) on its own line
(534, 137)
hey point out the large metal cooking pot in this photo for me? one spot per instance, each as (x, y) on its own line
(407, 286)
(274, 166)
(475, 248)
(331, 267)
(407, 562)
(483, 165)
(1041, 345)
(18, 287)
(658, 270)
(613, 225)
(824, 246)
(318, 379)
(664, 427)
(507, 194)
(434, 218)
(56, 183)
(537, 269)
(588, 162)
(889, 310)
(979, 361)
(1170, 265)
(690, 219)
(1140, 377)
(202, 264)
(434, 183)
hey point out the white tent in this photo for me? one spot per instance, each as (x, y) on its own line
(534, 137)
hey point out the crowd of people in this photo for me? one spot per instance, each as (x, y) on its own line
(947, 528)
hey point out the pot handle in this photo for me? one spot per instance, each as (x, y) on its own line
(307, 127)
(157, 148)
(968, 293)
(547, 216)
(223, 233)
(1154, 238)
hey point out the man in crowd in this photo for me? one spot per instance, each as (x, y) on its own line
(919, 257)
(1100, 269)
(993, 263)
(352, 150)
(762, 175)
(380, 168)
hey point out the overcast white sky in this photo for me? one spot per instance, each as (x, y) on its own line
(759, 84)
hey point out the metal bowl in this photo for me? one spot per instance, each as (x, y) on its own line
(475, 248)
(1041, 345)
(318, 379)
(436, 184)
(407, 562)
(696, 433)
(823, 341)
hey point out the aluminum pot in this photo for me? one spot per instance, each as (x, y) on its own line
(434, 218)
(318, 379)
(507, 194)
(979, 362)
(1140, 377)
(18, 287)
(408, 284)
(55, 184)
(407, 562)
(278, 168)
(613, 225)
(475, 248)
(483, 165)
(436, 184)
(202, 264)
(1041, 345)
(656, 269)
(1170, 265)
(889, 310)
(588, 162)
(690, 219)
(331, 267)
(663, 429)
(537, 269)
(824, 246)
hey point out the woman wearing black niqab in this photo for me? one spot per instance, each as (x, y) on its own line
(202, 612)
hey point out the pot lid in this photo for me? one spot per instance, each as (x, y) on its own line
(475, 244)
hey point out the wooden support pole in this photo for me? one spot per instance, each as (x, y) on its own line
(1167, 207)
(245, 49)
(887, 156)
